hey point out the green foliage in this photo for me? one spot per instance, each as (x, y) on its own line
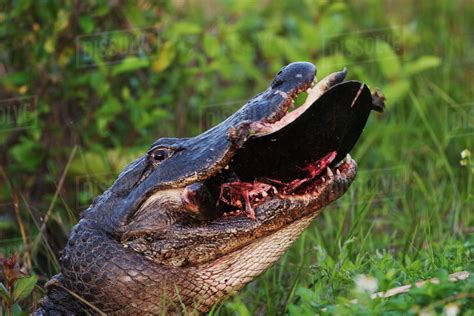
(111, 77)
(23, 287)
(14, 287)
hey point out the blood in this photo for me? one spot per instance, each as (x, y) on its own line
(238, 193)
(252, 194)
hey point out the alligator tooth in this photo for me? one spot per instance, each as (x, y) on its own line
(322, 178)
(338, 172)
(329, 172)
(226, 167)
(264, 193)
(348, 157)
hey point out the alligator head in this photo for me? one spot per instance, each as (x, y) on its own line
(195, 219)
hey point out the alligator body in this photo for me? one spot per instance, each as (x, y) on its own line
(195, 219)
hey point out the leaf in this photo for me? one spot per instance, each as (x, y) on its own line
(387, 59)
(4, 293)
(62, 21)
(442, 275)
(421, 64)
(179, 29)
(166, 56)
(211, 45)
(17, 311)
(130, 64)
(239, 308)
(110, 107)
(87, 24)
(50, 45)
(23, 287)
(27, 153)
(21, 6)
(18, 78)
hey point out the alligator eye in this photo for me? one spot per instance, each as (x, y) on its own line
(160, 154)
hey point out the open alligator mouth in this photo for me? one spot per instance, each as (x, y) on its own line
(293, 156)
(265, 168)
(239, 197)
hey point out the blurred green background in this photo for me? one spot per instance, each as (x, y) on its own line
(87, 86)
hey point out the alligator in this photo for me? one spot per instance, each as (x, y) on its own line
(194, 220)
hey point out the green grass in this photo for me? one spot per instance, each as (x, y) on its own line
(409, 215)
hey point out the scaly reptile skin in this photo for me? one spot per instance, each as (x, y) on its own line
(103, 281)
(168, 237)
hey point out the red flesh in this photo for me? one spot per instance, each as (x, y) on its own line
(253, 194)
